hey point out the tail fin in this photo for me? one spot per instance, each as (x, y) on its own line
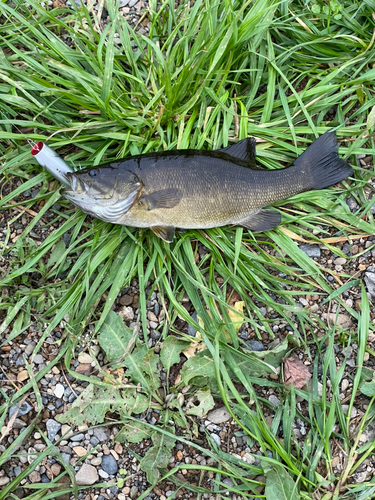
(322, 163)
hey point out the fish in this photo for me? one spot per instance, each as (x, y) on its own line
(197, 189)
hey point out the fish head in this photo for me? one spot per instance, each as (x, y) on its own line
(103, 192)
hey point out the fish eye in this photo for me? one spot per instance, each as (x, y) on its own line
(92, 173)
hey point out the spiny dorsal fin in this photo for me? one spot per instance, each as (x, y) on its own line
(242, 150)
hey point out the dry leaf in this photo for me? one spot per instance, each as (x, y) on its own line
(295, 372)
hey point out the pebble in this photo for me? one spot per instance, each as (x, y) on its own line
(66, 457)
(30, 348)
(126, 300)
(343, 320)
(312, 251)
(100, 434)
(345, 409)
(53, 428)
(340, 261)
(23, 410)
(254, 345)
(344, 384)
(274, 400)
(38, 359)
(96, 461)
(109, 464)
(87, 475)
(219, 415)
(59, 391)
(85, 358)
(4, 480)
(216, 438)
(78, 437)
(103, 474)
(126, 313)
(133, 492)
(80, 451)
(370, 283)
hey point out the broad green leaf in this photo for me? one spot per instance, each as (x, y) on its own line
(171, 350)
(134, 365)
(115, 337)
(205, 403)
(198, 369)
(94, 402)
(57, 253)
(149, 366)
(279, 484)
(157, 456)
(133, 432)
(368, 389)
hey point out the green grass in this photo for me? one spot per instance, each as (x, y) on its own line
(208, 74)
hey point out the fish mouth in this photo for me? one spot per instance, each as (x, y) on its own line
(77, 186)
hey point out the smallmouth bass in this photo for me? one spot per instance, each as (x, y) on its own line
(191, 189)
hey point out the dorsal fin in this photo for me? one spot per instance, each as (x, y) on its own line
(242, 150)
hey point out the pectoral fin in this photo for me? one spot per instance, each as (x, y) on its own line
(166, 233)
(165, 198)
(262, 221)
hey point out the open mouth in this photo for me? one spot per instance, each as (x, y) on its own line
(77, 185)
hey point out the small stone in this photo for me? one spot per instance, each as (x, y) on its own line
(216, 438)
(343, 320)
(126, 300)
(133, 492)
(274, 400)
(66, 457)
(179, 455)
(370, 283)
(85, 358)
(19, 424)
(96, 461)
(248, 458)
(87, 475)
(84, 368)
(344, 384)
(59, 391)
(100, 434)
(55, 469)
(345, 409)
(109, 464)
(312, 251)
(255, 346)
(80, 451)
(23, 410)
(340, 261)
(30, 348)
(34, 477)
(38, 359)
(66, 431)
(77, 437)
(126, 313)
(103, 474)
(4, 480)
(53, 428)
(22, 375)
(219, 415)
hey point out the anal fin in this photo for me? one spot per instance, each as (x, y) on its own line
(166, 233)
(262, 221)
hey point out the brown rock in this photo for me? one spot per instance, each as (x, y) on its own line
(343, 320)
(126, 300)
(23, 375)
(179, 455)
(87, 475)
(84, 368)
(34, 477)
